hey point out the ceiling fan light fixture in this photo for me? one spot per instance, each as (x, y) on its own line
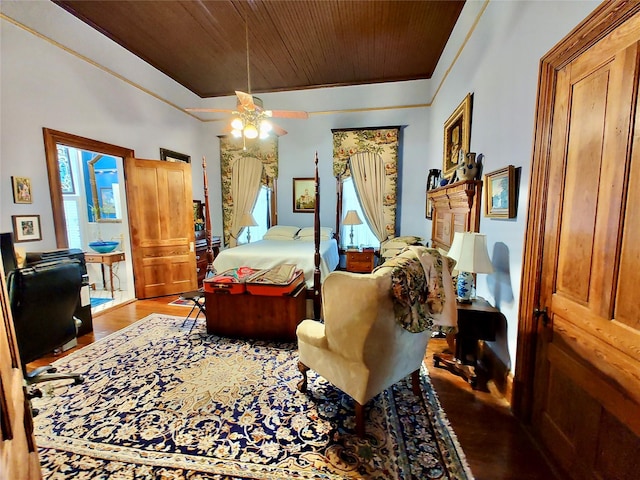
(265, 127)
(237, 124)
(250, 131)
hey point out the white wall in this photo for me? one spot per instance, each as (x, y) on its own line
(499, 66)
(43, 85)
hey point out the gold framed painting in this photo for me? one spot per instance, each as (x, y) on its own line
(304, 199)
(21, 190)
(500, 194)
(457, 136)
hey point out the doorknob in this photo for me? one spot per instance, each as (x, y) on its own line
(537, 312)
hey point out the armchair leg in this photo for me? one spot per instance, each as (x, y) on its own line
(415, 382)
(360, 420)
(302, 384)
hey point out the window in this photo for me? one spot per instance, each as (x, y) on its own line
(362, 234)
(261, 215)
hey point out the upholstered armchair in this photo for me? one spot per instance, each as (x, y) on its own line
(361, 348)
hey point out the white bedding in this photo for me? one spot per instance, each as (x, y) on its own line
(265, 254)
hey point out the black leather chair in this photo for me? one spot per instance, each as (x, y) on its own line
(43, 298)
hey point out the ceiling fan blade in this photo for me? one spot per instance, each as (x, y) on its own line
(223, 110)
(246, 100)
(278, 130)
(287, 114)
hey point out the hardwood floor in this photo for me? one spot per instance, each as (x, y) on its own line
(497, 447)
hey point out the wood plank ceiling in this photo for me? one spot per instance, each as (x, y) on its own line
(293, 45)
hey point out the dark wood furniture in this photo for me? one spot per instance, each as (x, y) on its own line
(456, 208)
(477, 321)
(255, 316)
(201, 253)
(360, 261)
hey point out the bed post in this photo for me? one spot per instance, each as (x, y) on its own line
(207, 220)
(317, 299)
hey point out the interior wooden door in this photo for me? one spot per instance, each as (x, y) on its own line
(160, 203)
(18, 453)
(586, 375)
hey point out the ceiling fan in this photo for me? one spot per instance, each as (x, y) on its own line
(250, 119)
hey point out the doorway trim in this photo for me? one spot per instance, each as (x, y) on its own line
(601, 22)
(53, 138)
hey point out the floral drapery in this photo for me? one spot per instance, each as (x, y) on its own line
(233, 150)
(382, 141)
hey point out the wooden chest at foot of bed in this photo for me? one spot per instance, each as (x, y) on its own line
(258, 317)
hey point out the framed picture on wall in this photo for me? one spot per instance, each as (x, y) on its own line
(499, 193)
(171, 156)
(457, 136)
(26, 228)
(21, 190)
(304, 199)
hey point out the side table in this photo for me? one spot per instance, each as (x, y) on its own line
(477, 321)
(107, 259)
(360, 261)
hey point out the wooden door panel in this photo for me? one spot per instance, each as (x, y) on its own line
(587, 373)
(161, 217)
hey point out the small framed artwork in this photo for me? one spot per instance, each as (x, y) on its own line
(304, 199)
(21, 190)
(499, 193)
(26, 228)
(457, 136)
(171, 156)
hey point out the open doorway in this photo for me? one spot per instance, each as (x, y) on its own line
(86, 180)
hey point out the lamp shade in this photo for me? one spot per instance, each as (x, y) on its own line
(469, 250)
(352, 218)
(247, 220)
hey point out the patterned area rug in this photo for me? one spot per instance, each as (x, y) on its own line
(159, 402)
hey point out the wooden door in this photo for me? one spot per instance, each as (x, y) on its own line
(18, 454)
(585, 214)
(160, 204)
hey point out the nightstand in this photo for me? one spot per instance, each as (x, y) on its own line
(478, 320)
(359, 261)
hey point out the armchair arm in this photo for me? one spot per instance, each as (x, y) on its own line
(312, 333)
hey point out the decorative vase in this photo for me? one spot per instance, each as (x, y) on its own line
(467, 167)
(464, 286)
(433, 180)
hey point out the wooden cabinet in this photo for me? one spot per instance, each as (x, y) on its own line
(360, 261)
(456, 208)
(255, 316)
(201, 253)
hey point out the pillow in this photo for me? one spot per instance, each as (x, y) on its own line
(281, 232)
(307, 232)
(399, 242)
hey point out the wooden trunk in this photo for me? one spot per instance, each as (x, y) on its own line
(255, 316)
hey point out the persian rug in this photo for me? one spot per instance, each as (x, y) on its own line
(160, 402)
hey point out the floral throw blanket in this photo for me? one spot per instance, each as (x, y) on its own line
(418, 289)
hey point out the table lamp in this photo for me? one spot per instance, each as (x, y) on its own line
(351, 218)
(248, 221)
(469, 250)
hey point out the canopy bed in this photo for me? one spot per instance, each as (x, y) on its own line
(314, 250)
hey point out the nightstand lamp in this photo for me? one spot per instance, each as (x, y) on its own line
(248, 221)
(351, 218)
(469, 250)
